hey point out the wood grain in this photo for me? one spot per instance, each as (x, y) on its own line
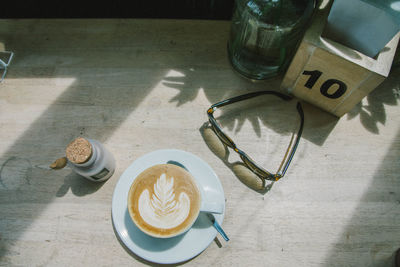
(141, 85)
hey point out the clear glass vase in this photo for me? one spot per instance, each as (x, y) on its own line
(265, 34)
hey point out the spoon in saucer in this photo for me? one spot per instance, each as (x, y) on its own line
(217, 226)
(209, 215)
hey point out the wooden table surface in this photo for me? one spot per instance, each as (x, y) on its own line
(143, 85)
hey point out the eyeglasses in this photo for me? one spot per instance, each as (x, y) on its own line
(249, 163)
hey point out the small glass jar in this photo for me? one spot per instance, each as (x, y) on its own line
(99, 167)
(265, 34)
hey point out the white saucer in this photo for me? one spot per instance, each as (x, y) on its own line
(170, 250)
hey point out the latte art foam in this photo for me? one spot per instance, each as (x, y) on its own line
(162, 210)
(164, 200)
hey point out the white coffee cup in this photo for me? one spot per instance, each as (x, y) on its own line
(165, 201)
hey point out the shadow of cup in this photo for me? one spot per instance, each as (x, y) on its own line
(246, 176)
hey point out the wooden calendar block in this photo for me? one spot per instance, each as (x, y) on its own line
(332, 76)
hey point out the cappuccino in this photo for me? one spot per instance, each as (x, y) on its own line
(164, 200)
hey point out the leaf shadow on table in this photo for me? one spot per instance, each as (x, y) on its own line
(318, 123)
(216, 85)
(318, 126)
(285, 122)
(371, 111)
(371, 235)
(264, 111)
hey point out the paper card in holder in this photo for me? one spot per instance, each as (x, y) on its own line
(332, 76)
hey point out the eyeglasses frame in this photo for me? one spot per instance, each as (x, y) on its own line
(248, 162)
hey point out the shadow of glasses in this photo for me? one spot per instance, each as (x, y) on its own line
(246, 176)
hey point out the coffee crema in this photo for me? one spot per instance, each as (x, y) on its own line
(164, 200)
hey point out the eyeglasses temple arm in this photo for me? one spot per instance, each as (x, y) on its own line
(288, 150)
(250, 95)
(301, 113)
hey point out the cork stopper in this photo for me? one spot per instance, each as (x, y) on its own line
(79, 150)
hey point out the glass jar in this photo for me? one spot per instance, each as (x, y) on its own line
(265, 34)
(99, 167)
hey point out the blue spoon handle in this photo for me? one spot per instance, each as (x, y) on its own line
(219, 229)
